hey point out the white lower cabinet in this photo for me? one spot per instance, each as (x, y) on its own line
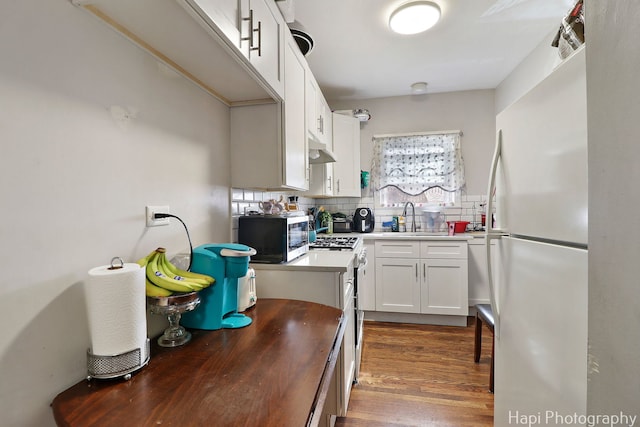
(367, 289)
(348, 349)
(323, 287)
(478, 272)
(443, 288)
(427, 277)
(397, 285)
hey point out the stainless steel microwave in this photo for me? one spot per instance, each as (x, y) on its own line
(276, 239)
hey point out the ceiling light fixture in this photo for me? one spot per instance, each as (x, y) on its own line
(418, 88)
(414, 17)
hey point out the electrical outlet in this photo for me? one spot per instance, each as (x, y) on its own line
(151, 210)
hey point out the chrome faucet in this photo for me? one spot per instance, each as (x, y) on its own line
(413, 215)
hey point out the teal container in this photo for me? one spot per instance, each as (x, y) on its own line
(364, 179)
(218, 307)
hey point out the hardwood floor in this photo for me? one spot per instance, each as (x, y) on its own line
(421, 375)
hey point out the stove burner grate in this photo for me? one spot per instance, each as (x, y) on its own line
(334, 243)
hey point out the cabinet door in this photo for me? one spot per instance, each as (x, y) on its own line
(444, 287)
(321, 182)
(397, 285)
(261, 41)
(478, 273)
(296, 164)
(311, 107)
(348, 353)
(326, 120)
(367, 289)
(346, 147)
(268, 141)
(224, 14)
(253, 164)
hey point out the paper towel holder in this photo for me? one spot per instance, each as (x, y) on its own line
(119, 365)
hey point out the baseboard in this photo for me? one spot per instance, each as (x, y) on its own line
(421, 319)
(475, 301)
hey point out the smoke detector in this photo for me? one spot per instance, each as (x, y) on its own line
(362, 114)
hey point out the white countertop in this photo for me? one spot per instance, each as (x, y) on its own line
(314, 260)
(340, 261)
(389, 235)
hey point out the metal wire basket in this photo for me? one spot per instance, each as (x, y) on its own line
(119, 365)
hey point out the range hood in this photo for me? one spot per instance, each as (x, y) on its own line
(319, 153)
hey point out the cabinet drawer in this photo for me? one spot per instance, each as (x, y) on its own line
(397, 249)
(443, 249)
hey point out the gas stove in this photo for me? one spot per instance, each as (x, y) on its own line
(335, 243)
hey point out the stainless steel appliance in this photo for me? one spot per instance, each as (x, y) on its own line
(350, 243)
(342, 225)
(275, 238)
(363, 220)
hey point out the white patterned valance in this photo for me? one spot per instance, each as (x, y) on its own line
(415, 163)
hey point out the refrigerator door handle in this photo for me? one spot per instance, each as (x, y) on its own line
(497, 153)
(492, 287)
(493, 233)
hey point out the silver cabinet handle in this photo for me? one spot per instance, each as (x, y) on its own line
(259, 30)
(250, 37)
(251, 31)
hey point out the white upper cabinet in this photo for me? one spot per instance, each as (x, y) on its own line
(268, 141)
(224, 14)
(200, 39)
(321, 182)
(346, 148)
(261, 40)
(296, 173)
(312, 92)
(319, 121)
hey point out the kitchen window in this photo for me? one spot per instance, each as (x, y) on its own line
(423, 168)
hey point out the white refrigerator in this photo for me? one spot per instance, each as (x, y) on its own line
(538, 275)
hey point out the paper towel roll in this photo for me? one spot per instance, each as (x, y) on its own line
(116, 307)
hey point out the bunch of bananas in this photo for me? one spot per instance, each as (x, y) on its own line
(165, 279)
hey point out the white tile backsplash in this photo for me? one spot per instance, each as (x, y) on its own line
(462, 211)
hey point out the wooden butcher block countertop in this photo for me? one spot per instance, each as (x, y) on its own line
(275, 371)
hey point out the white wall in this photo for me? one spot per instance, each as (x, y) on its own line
(533, 69)
(74, 183)
(470, 111)
(613, 61)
